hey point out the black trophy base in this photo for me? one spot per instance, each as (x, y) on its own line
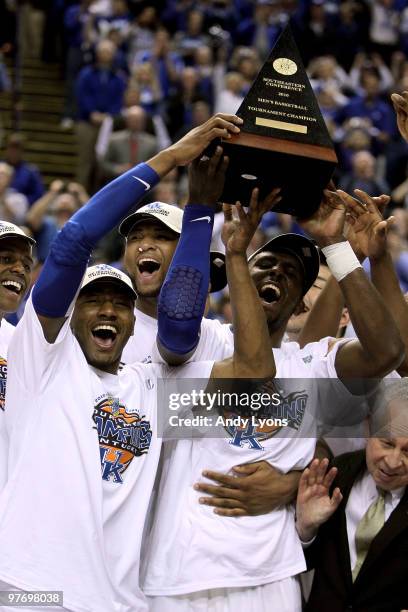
(289, 166)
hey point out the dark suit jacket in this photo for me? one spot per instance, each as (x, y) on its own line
(118, 151)
(382, 584)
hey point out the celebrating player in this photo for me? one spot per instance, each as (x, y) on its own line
(16, 263)
(83, 449)
(252, 566)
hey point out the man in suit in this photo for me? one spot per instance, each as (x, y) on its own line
(129, 147)
(360, 553)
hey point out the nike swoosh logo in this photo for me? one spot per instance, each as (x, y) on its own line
(201, 219)
(147, 186)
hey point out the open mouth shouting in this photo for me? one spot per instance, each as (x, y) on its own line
(105, 335)
(148, 270)
(13, 286)
(270, 292)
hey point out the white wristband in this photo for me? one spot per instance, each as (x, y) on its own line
(341, 259)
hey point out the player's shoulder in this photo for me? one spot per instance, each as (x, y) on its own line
(6, 331)
(214, 327)
(143, 370)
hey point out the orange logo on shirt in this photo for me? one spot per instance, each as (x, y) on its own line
(122, 436)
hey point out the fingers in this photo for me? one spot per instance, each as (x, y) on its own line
(220, 502)
(336, 498)
(232, 512)
(224, 479)
(335, 199)
(247, 468)
(217, 491)
(271, 200)
(229, 118)
(400, 102)
(355, 207)
(321, 470)
(366, 200)
(241, 214)
(227, 210)
(329, 477)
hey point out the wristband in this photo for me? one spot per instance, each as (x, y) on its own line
(341, 259)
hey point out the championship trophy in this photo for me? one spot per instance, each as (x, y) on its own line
(283, 141)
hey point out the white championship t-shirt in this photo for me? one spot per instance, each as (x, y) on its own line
(82, 463)
(6, 333)
(190, 548)
(215, 340)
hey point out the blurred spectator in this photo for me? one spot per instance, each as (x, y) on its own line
(221, 13)
(246, 62)
(145, 79)
(204, 65)
(262, 28)
(357, 135)
(180, 105)
(76, 20)
(100, 91)
(326, 72)
(363, 175)
(26, 177)
(315, 32)
(370, 64)
(142, 30)
(166, 63)
(384, 27)
(194, 36)
(128, 147)
(230, 98)
(118, 19)
(370, 105)
(13, 205)
(52, 211)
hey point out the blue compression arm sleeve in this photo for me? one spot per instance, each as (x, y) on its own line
(184, 292)
(66, 263)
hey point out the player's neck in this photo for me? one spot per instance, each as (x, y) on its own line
(147, 305)
(276, 336)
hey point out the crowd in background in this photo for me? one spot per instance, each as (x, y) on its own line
(139, 75)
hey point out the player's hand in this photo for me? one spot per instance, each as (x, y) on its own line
(314, 506)
(256, 489)
(400, 103)
(366, 228)
(326, 225)
(198, 139)
(206, 178)
(237, 233)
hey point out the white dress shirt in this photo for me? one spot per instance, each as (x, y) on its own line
(362, 495)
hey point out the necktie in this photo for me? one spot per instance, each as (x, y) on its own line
(133, 150)
(371, 523)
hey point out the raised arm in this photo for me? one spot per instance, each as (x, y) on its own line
(252, 357)
(64, 268)
(314, 504)
(369, 236)
(184, 291)
(379, 348)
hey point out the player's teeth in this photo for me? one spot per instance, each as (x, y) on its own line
(18, 286)
(107, 327)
